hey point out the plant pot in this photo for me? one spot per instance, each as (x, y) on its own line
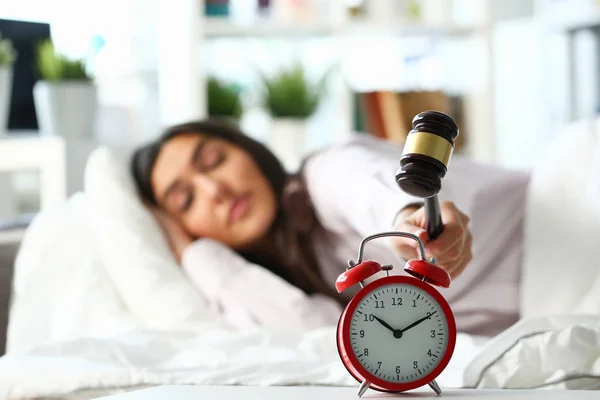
(6, 74)
(287, 139)
(67, 109)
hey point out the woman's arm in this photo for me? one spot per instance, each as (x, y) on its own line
(353, 187)
(248, 294)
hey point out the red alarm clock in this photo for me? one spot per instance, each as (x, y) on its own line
(398, 332)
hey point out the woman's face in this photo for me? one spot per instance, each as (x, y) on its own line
(215, 189)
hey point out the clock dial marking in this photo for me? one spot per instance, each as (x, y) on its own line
(400, 335)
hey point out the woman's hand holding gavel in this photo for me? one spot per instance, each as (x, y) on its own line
(452, 249)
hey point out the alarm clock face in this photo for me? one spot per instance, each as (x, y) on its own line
(399, 333)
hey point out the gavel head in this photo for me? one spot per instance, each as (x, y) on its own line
(426, 154)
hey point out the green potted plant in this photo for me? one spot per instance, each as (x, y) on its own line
(291, 99)
(224, 100)
(65, 96)
(7, 59)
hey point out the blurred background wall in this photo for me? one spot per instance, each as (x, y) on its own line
(511, 72)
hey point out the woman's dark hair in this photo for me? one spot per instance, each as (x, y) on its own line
(295, 221)
(144, 158)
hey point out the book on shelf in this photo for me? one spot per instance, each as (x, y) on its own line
(388, 114)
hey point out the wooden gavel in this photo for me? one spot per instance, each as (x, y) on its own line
(424, 162)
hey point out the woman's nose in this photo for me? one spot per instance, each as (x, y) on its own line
(214, 188)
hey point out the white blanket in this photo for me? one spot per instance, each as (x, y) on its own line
(557, 352)
(94, 284)
(253, 357)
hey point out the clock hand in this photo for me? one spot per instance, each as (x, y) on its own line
(418, 322)
(382, 322)
(397, 332)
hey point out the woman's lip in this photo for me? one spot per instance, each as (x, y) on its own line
(238, 208)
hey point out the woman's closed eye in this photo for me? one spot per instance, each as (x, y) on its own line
(210, 157)
(187, 204)
(181, 200)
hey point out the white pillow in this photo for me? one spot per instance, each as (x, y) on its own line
(134, 250)
(562, 241)
(60, 290)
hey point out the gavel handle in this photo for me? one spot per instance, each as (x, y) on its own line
(433, 217)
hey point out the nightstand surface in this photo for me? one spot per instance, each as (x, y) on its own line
(337, 393)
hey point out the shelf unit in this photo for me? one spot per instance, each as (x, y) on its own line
(219, 27)
(570, 20)
(181, 73)
(547, 59)
(31, 152)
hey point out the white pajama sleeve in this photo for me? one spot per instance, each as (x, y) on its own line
(247, 294)
(353, 186)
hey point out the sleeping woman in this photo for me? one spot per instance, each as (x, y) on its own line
(265, 247)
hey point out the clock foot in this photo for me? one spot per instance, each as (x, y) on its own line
(434, 386)
(363, 388)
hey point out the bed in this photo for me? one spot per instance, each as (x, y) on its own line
(123, 317)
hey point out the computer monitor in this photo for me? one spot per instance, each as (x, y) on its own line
(24, 36)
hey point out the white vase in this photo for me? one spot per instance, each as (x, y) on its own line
(6, 74)
(287, 139)
(67, 109)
